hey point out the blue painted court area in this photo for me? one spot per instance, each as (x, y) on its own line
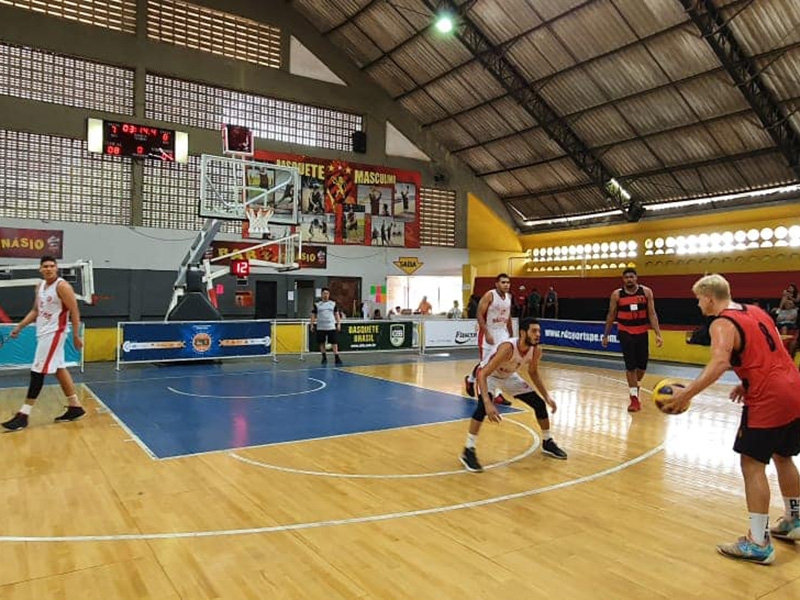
(204, 412)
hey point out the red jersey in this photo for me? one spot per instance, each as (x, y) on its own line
(770, 378)
(632, 312)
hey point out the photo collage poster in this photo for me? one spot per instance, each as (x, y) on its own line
(347, 203)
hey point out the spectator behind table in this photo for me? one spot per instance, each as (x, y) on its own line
(424, 307)
(377, 314)
(455, 312)
(472, 306)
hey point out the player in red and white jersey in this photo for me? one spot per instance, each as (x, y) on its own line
(500, 371)
(494, 326)
(54, 305)
(744, 338)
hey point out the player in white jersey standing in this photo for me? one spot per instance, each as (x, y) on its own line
(494, 326)
(54, 303)
(501, 371)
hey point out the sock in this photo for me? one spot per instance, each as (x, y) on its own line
(758, 528)
(471, 439)
(634, 392)
(25, 409)
(792, 507)
(73, 400)
(546, 435)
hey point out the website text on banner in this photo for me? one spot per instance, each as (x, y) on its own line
(18, 353)
(584, 335)
(199, 340)
(375, 335)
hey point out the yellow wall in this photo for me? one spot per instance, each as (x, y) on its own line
(491, 242)
(764, 259)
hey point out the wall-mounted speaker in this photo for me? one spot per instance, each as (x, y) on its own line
(360, 142)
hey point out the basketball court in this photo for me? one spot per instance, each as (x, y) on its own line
(293, 480)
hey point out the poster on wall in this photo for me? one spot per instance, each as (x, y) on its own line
(31, 243)
(349, 203)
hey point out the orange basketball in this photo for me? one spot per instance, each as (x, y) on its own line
(663, 391)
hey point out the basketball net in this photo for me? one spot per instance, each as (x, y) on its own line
(258, 220)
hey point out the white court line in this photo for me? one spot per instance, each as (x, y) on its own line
(336, 522)
(121, 423)
(530, 450)
(322, 386)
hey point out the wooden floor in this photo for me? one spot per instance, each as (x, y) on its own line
(634, 513)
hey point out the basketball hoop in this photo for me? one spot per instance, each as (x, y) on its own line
(258, 219)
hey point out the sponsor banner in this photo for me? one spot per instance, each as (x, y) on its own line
(31, 243)
(312, 257)
(450, 333)
(371, 335)
(585, 335)
(195, 340)
(18, 353)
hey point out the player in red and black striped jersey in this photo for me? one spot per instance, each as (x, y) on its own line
(633, 308)
(744, 338)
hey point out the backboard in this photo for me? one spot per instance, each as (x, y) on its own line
(228, 186)
(79, 274)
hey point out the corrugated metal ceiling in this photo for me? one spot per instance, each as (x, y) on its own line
(634, 79)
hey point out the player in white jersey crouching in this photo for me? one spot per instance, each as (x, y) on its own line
(494, 326)
(500, 371)
(54, 304)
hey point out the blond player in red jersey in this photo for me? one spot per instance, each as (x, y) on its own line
(494, 326)
(54, 304)
(744, 338)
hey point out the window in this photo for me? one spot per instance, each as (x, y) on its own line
(48, 177)
(208, 30)
(207, 107)
(437, 225)
(407, 292)
(46, 77)
(119, 15)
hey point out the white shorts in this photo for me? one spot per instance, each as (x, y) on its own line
(513, 385)
(49, 352)
(487, 349)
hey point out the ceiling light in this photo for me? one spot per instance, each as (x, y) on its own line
(444, 23)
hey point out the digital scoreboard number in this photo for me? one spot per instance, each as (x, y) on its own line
(116, 138)
(138, 141)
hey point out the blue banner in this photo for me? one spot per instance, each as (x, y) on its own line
(18, 353)
(585, 335)
(146, 342)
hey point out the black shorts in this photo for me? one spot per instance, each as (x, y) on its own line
(635, 350)
(327, 336)
(761, 444)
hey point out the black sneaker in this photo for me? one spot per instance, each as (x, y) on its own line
(338, 361)
(73, 413)
(470, 386)
(501, 400)
(324, 360)
(551, 449)
(470, 461)
(17, 422)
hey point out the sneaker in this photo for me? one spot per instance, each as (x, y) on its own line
(470, 385)
(747, 549)
(634, 406)
(786, 529)
(338, 361)
(17, 422)
(501, 400)
(470, 461)
(550, 448)
(324, 360)
(73, 413)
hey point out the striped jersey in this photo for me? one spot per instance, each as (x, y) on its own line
(632, 312)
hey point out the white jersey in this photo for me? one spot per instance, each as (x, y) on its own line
(509, 368)
(52, 316)
(498, 313)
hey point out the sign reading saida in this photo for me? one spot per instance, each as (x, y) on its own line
(373, 336)
(408, 264)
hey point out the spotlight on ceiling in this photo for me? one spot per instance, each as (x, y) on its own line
(444, 22)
